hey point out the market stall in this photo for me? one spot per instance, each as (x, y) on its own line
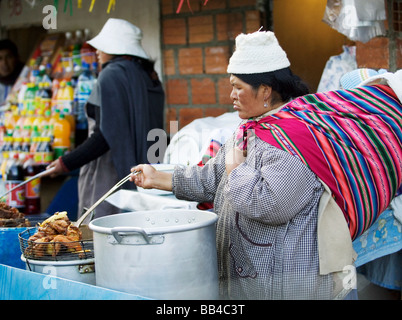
(170, 231)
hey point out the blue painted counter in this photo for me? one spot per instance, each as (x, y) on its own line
(19, 284)
(10, 251)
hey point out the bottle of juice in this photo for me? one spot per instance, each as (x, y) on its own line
(46, 131)
(28, 123)
(60, 95)
(26, 147)
(17, 140)
(21, 96)
(6, 150)
(10, 120)
(85, 84)
(55, 92)
(32, 188)
(29, 98)
(67, 52)
(61, 133)
(45, 151)
(46, 97)
(47, 72)
(2, 188)
(54, 117)
(34, 138)
(68, 98)
(14, 176)
(71, 119)
(21, 119)
(38, 97)
(39, 120)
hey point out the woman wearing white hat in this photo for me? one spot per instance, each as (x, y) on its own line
(257, 220)
(126, 103)
(303, 176)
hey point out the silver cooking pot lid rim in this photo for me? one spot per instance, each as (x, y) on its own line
(210, 219)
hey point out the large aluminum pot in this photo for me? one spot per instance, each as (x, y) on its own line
(164, 254)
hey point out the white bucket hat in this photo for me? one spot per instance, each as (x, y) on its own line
(257, 52)
(119, 37)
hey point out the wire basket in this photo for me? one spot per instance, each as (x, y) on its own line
(54, 251)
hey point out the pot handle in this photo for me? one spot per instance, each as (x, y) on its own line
(117, 230)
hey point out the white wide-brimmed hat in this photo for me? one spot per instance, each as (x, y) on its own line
(119, 37)
(257, 52)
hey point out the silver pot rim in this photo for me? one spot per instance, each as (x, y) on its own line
(58, 263)
(190, 225)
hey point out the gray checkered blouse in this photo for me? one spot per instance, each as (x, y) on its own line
(267, 226)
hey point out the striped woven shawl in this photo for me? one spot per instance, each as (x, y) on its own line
(351, 139)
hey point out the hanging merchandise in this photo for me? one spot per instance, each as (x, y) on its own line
(112, 5)
(31, 2)
(91, 7)
(359, 20)
(70, 3)
(188, 5)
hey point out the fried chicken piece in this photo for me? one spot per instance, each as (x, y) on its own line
(70, 241)
(42, 246)
(60, 226)
(47, 229)
(65, 241)
(7, 212)
(14, 223)
(39, 234)
(74, 233)
(55, 234)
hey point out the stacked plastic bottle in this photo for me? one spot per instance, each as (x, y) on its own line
(85, 85)
(48, 115)
(13, 177)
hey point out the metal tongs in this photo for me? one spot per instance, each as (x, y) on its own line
(107, 194)
(26, 181)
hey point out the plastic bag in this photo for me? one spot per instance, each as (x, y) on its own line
(359, 20)
(370, 10)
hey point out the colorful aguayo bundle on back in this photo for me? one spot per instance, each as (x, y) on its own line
(352, 140)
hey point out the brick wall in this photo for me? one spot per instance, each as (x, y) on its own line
(384, 52)
(197, 45)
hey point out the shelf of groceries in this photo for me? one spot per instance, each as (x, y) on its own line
(45, 114)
